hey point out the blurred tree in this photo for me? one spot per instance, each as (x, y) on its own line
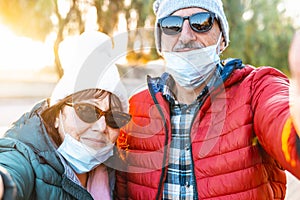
(67, 25)
(34, 19)
(25, 17)
(108, 15)
(234, 10)
(140, 20)
(260, 33)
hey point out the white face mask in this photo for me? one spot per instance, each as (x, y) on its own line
(192, 68)
(81, 157)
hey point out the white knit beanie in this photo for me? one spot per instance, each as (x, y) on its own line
(92, 67)
(163, 8)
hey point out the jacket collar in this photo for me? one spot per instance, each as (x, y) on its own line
(166, 84)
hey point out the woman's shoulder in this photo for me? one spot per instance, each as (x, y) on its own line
(29, 129)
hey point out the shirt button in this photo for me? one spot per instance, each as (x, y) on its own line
(187, 184)
(187, 147)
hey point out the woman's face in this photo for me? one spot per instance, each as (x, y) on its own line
(95, 135)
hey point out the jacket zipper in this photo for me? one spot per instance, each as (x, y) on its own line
(166, 141)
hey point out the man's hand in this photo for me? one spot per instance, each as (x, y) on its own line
(294, 64)
(294, 58)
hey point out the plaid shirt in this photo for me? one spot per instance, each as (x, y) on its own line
(180, 181)
(180, 177)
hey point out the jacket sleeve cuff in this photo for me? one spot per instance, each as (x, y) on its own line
(10, 189)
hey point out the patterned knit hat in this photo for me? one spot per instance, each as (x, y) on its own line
(163, 8)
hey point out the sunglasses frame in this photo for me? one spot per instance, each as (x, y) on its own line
(109, 115)
(211, 15)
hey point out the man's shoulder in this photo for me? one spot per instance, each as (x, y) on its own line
(250, 74)
(241, 69)
(264, 71)
(141, 95)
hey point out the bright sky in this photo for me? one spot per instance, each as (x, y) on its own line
(292, 7)
(24, 53)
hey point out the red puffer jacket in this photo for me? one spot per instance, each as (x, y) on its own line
(242, 141)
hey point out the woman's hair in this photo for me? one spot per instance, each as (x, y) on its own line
(50, 114)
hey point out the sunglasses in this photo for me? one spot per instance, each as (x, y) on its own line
(90, 114)
(199, 22)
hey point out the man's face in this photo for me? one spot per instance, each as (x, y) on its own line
(188, 39)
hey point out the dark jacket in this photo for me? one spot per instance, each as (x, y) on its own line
(31, 166)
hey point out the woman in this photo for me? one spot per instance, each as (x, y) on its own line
(58, 149)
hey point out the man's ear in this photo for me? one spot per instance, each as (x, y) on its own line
(222, 44)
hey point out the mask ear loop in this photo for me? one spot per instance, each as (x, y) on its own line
(61, 124)
(218, 44)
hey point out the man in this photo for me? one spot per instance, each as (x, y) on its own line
(208, 129)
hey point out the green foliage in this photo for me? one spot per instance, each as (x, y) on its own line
(234, 11)
(264, 38)
(108, 19)
(261, 40)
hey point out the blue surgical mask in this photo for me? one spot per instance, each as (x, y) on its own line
(81, 157)
(192, 68)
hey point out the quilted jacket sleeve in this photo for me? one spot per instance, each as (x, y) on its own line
(16, 172)
(272, 119)
(7, 184)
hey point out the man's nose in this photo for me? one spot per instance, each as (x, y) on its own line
(187, 34)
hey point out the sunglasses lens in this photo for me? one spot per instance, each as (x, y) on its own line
(116, 119)
(90, 114)
(87, 113)
(201, 22)
(171, 25)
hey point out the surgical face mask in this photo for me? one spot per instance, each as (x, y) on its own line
(192, 68)
(81, 157)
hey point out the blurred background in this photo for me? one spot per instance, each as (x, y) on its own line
(36, 37)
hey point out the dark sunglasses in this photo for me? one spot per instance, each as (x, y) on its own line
(90, 113)
(199, 22)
